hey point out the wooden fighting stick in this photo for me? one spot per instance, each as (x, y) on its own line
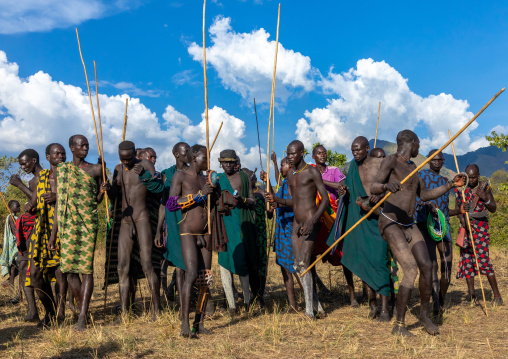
(89, 95)
(101, 153)
(377, 126)
(206, 114)
(216, 135)
(404, 181)
(271, 107)
(470, 231)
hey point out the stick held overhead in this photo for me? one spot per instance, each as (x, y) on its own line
(206, 111)
(405, 180)
(125, 120)
(268, 152)
(377, 126)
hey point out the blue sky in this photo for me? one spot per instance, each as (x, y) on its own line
(336, 61)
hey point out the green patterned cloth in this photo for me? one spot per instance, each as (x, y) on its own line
(77, 218)
(10, 251)
(260, 222)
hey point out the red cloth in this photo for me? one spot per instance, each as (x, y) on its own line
(24, 226)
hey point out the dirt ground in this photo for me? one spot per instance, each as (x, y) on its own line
(466, 332)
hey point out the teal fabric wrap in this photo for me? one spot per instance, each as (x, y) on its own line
(365, 252)
(242, 250)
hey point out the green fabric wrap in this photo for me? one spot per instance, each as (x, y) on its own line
(173, 243)
(152, 183)
(365, 252)
(242, 250)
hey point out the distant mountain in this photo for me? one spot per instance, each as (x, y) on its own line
(489, 159)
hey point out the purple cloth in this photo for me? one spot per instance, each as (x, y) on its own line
(332, 174)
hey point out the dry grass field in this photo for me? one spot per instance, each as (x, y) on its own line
(465, 330)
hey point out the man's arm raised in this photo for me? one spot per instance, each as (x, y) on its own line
(429, 194)
(308, 226)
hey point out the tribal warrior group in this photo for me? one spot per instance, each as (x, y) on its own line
(183, 214)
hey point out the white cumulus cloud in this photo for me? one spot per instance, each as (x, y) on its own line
(244, 63)
(354, 111)
(37, 111)
(45, 15)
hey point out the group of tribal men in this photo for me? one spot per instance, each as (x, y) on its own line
(164, 217)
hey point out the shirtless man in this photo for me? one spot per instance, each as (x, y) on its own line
(364, 250)
(193, 229)
(29, 162)
(396, 225)
(304, 183)
(79, 190)
(135, 223)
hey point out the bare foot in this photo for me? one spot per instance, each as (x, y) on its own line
(79, 327)
(384, 316)
(354, 304)
(203, 330)
(498, 300)
(321, 315)
(430, 327)
(186, 332)
(31, 318)
(373, 313)
(401, 330)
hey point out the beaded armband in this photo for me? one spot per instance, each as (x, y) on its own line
(172, 204)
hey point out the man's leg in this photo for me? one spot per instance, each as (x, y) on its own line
(351, 287)
(44, 293)
(446, 254)
(372, 300)
(205, 266)
(125, 244)
(431, 248)
(290, 289)
(32, 315)
(61, 295)
(86, 295)
(398, 244)
(190, 259)
(302, 248)
(498, 300)
(145, 240)
(421, 255)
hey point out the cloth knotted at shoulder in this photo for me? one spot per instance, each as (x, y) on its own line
(219, 237)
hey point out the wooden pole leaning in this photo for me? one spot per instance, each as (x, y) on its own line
(377, 126)
(89, 95)
(101, 153)
(216, 135)
(470, 231)
(125, 119)
(404, 181)
(271, 107)
(114, 212)
(206, 113)
(6, 205)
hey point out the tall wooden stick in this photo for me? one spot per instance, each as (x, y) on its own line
(6, 205)
(89, 95)
(404, 181)
(114, 212)
(470, 231)
(125, 120)
(206, 112)
(101, 153)
(259, 141)
(377, 126)
(271, 107)
(216, 135)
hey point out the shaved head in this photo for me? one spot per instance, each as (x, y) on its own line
(298, 145)
(362, 141)
(473, 168)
